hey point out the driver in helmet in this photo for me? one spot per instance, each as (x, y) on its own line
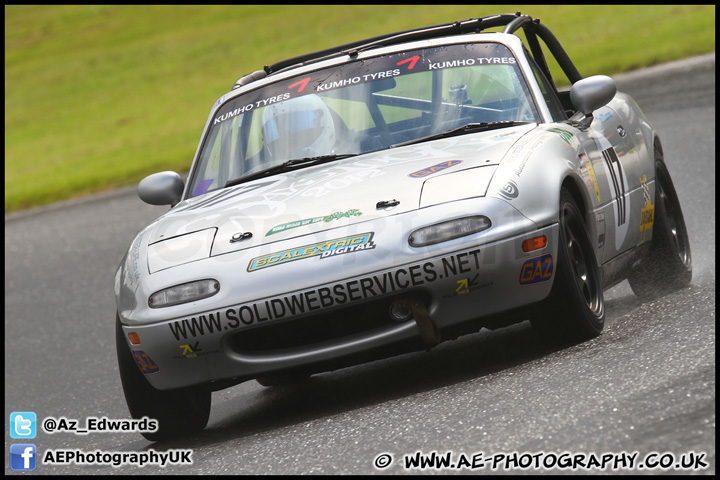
(298, 128)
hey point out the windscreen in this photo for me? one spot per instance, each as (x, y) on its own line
(362, 106)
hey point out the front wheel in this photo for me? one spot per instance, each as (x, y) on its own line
(178, 412)
(668, 265)
(575, 308)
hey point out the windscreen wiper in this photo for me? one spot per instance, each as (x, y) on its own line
(288, 166)
(468, 128)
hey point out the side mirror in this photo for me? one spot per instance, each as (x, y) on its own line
(591, 93)
(164, 188)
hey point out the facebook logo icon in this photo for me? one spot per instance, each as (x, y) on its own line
(23, 456)
(23, 425)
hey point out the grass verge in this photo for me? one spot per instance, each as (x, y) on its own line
(96, 97)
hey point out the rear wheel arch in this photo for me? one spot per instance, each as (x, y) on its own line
(667, 266)
(658, 155)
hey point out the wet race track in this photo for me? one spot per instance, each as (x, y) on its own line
(642, 392)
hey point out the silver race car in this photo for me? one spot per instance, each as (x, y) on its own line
(381, 197)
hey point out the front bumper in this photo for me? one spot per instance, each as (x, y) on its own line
(224, 339)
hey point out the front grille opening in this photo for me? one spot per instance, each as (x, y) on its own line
(315, 329)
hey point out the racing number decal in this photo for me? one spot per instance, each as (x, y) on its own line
(616, 176)
(617, 181)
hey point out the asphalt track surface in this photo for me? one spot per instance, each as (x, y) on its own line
(645, 386)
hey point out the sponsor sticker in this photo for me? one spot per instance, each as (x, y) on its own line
(603, 117)
(464, 266)
(468, 285)
(339, 246)
(509, 190)
(536, 270)
(434, 169)
(193, 351)
(647, 214)
(593, 180)
(564, 134)
(600, 220)
(309, 221)
(147, 366)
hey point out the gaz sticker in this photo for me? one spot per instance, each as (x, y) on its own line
(147, 366)
(536, 270)
(435, 168)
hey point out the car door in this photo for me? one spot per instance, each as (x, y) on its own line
(617, 167)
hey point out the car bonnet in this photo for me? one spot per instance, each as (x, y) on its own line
(342, 193)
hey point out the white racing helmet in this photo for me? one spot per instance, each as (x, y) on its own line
(297, 128)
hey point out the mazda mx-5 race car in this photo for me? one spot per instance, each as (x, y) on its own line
(383, 196)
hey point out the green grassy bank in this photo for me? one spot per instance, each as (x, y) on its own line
(96, 97)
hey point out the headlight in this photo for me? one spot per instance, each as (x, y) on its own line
(187, 292)
(442, 232)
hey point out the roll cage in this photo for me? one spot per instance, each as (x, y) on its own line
(532, 28)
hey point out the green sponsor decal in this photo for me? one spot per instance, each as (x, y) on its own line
(564, 134)
(309, 221)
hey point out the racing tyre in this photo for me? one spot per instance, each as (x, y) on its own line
(668, 265)
(178, 412)
(575, 308)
